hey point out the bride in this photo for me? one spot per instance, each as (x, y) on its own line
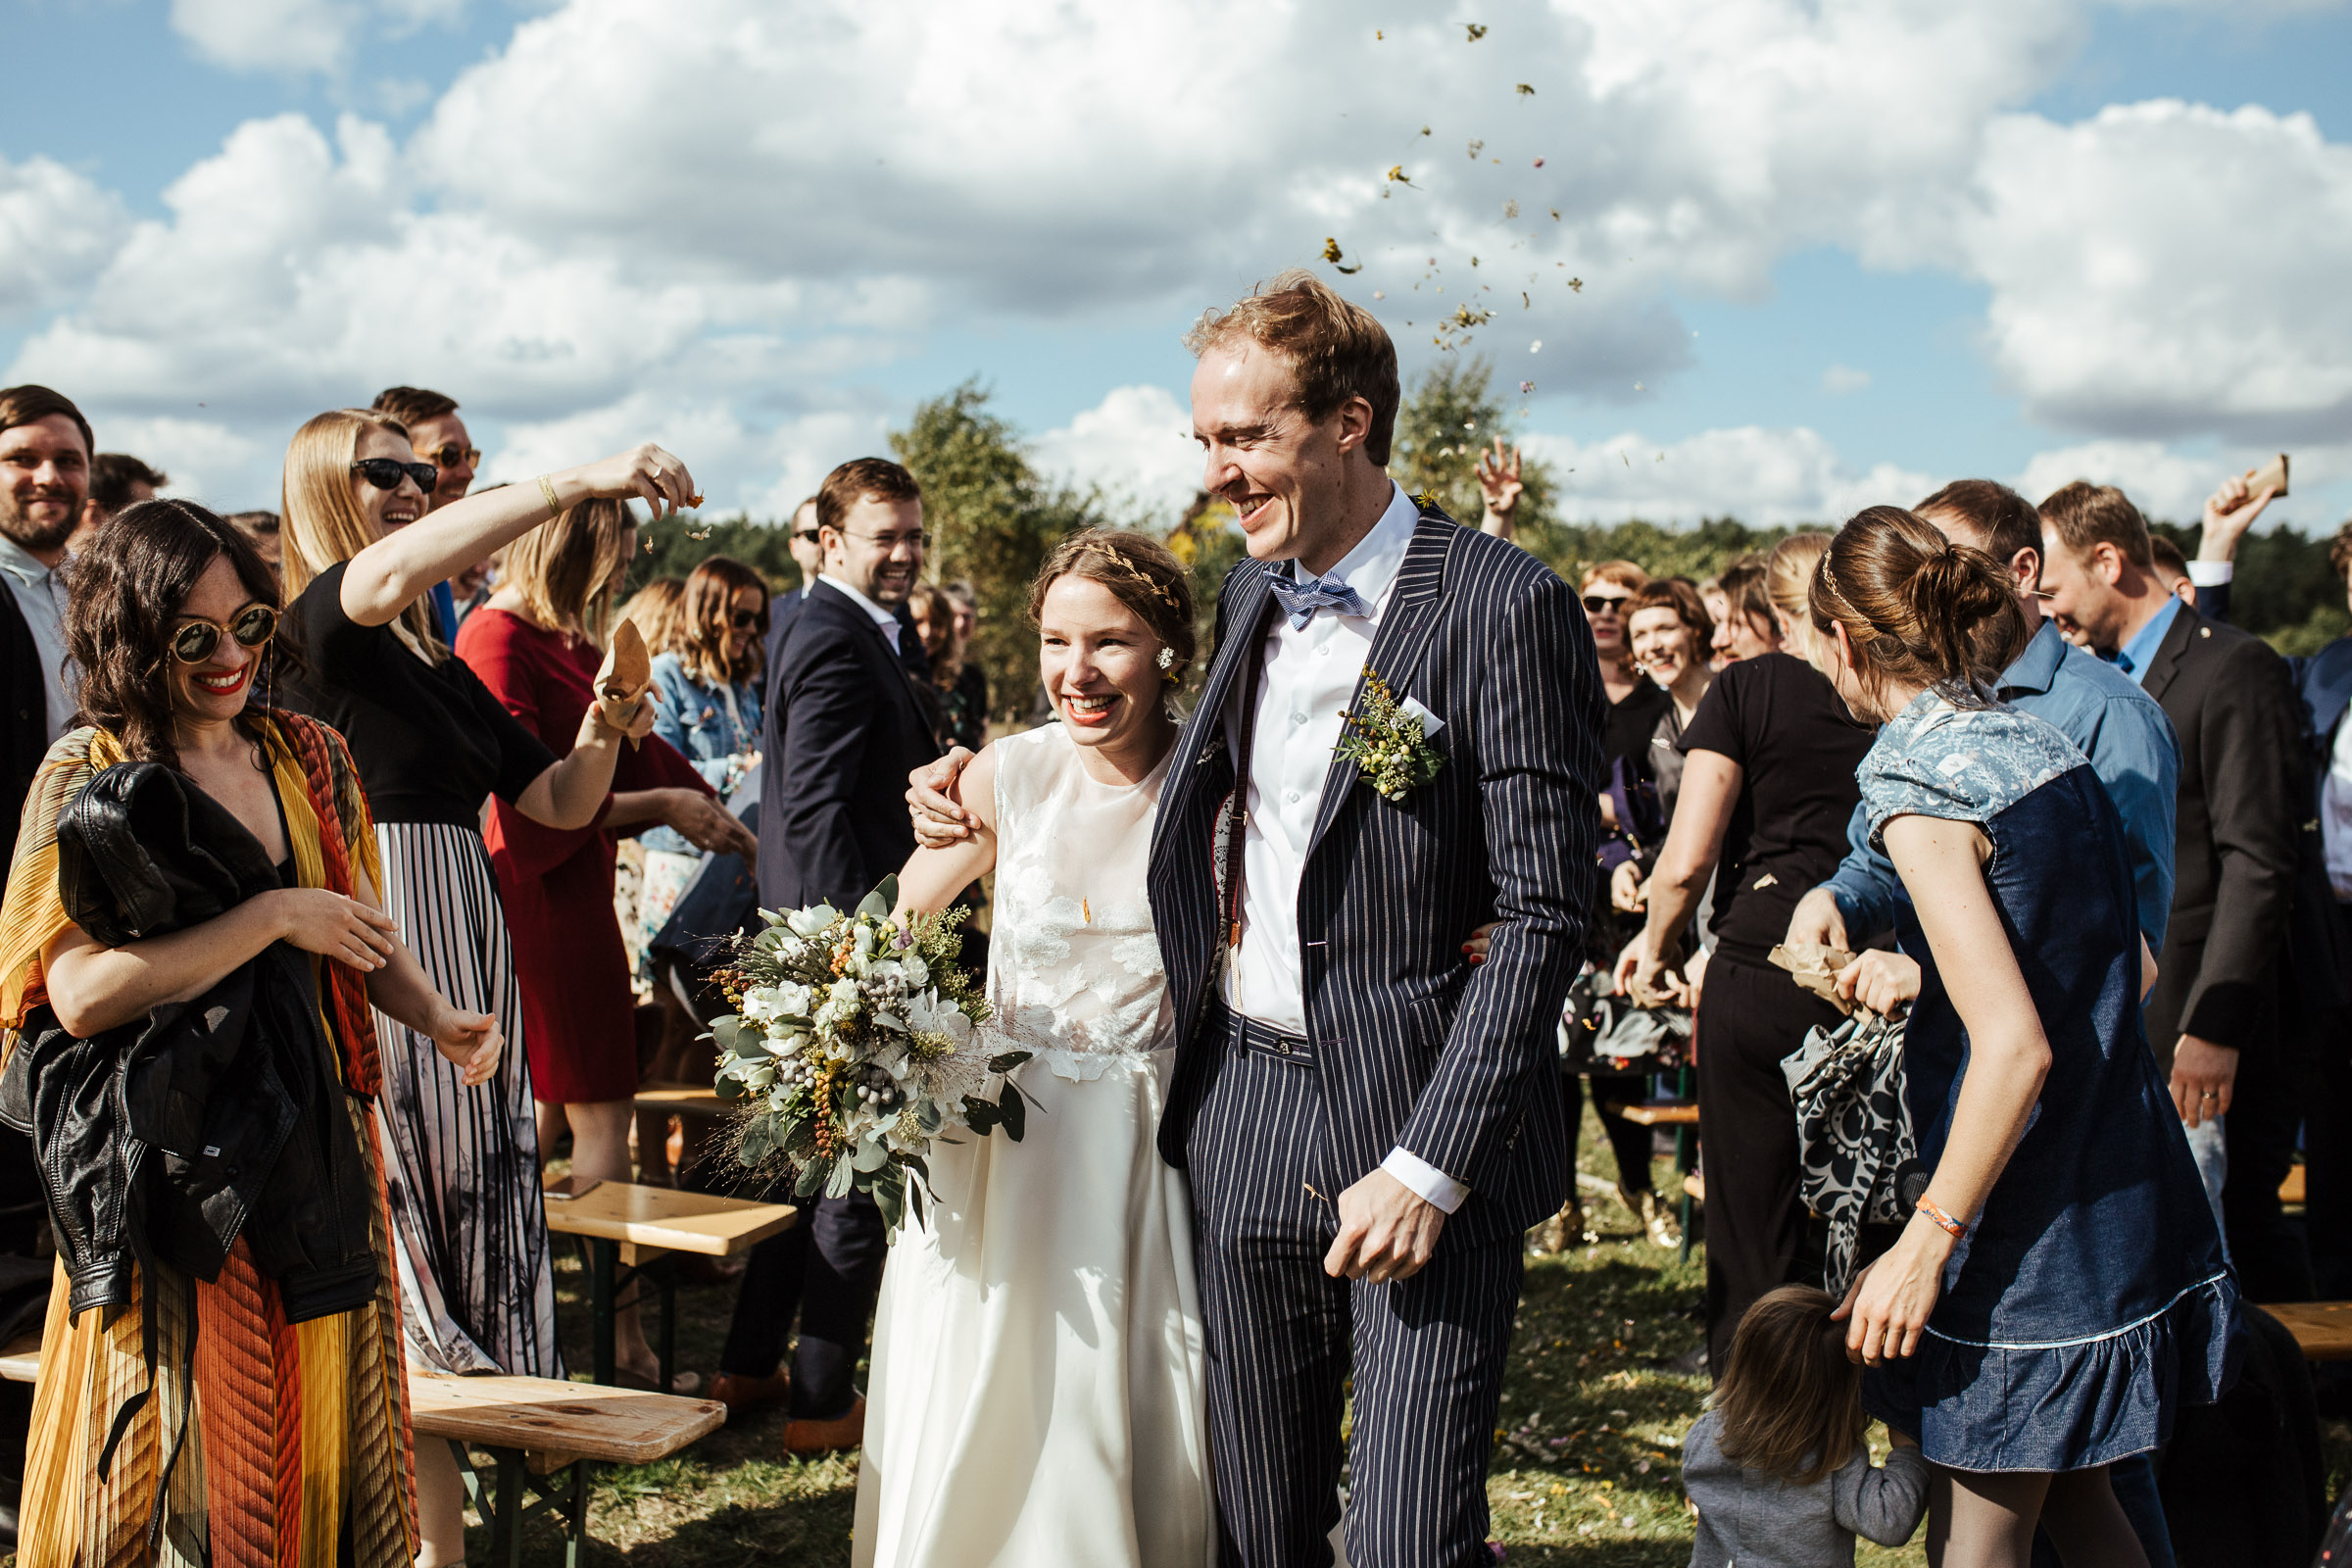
(1037, 1389)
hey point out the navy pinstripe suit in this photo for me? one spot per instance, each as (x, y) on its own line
(1409, 1047)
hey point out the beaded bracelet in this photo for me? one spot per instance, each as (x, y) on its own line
(1934, 1211)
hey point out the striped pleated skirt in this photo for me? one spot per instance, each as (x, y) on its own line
(462, 1164)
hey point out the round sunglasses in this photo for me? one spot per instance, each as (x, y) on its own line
(384, 473)
(450, 456)
(195, 640)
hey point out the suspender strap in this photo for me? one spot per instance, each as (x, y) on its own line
(1237, 813)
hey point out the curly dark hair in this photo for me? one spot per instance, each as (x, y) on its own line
(128, 590)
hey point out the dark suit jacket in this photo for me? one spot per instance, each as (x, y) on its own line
(842, 731)
(23, 719)
(780, 614)
(1420, 1049)
(2235, 834)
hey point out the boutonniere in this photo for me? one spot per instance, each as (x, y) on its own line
(1387, 740)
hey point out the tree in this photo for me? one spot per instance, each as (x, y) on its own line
(675, 548)
(993, 519)
(1451, 417)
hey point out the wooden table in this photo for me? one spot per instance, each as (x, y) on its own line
(682, 1100)
(543, 1433)
(621, 1222)
(2323, 1328)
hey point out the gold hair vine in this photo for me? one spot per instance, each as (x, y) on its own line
(1111, 553)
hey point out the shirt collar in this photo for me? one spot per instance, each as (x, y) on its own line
(882, 617)
(2037, 667)
(2134, 657)
(17, 561)
(1371, 566)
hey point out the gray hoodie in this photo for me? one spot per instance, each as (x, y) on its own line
(1749, 1519)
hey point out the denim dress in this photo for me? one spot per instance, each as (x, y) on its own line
(698, 718)
(2089, 1298)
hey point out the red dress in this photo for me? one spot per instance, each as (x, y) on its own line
(578, 1012)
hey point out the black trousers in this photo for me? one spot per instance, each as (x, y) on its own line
(828, 1270)
(1611, 1094)
(1748, 1019)
(2267, 1105)
(1426, 1353)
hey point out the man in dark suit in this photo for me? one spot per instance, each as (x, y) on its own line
(842, 730)
(808, 554)
(1370, 1123)
(2214, 1016)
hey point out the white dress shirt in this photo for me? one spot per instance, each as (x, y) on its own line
(43, 599)
(1307, 677)
(2335, 812)
(882, 617)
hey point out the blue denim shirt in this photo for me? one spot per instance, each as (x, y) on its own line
(2129, 742)
(695, 717)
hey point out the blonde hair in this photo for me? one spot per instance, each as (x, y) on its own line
(1788, 572)
(567, 572)
(321, 522)
(657, 609)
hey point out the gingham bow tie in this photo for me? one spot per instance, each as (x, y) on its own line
(1301, 600)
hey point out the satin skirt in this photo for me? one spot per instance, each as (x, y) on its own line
(1038, 1377)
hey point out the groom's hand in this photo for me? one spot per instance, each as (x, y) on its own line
(940, 821)
(1387, 1230)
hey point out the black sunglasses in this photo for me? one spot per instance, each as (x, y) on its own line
(811, 536)
(1605, 604)
(747, 620)
(384, 473)
(193, 643)
(450, 456)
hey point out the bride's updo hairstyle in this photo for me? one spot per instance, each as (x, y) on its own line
(1140, 574)
(1917, 608)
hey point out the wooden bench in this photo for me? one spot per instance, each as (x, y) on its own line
(622, 1223)
(2323, 1329)
(542, 1435)
(1662, 1114)
(682, 1099)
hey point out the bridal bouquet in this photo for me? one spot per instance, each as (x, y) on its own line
(852, 1048)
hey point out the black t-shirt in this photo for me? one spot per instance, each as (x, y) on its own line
(1797, 749)
(430, 741)
(1632, 720)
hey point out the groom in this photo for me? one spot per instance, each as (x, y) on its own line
(1369, 1122)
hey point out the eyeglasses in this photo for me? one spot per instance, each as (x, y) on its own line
(887, 542)
(384, 473)
(747, 620)
(193, 643)
(1606, 603)
(450, 456)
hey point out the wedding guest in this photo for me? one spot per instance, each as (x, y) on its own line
(2058, 1291)
(117, 480)
(1768, 783)
(2229, 512)
(708, 676)
(842, 730)
(1777, 1468)
(469, 589)
(1744, 627)
(2214, 1019)
(657, 611)
(2172, 569)
(968, 696)
(44, 484)
(432, 743)
(1669, 630)
(437, 436)
(808, 554)
(262, 527)
(2325, 682)
(1500, 487)
(962, 720)
(172, 622)
(537, 646)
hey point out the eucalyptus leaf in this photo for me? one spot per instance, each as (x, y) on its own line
(1008, 1060)
(889, 1197)
(1014, 1112)
(729, 1089)
(812, 1177)
(844, 1177)
(878, 904)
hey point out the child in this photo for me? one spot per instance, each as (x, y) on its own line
(1777, 1467)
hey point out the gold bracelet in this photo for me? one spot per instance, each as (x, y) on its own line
(555, 508)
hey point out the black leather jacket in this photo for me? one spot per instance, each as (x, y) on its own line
(171, 1135)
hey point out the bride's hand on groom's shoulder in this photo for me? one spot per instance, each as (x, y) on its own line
(940, 819)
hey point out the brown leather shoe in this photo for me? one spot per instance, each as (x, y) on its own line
(741, 1392)
(806, 1437)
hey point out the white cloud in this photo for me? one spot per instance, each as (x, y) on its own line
(1843, 378)
(1137, 444)
(2164, 268)
(207, 460)
(295, 35)
(1757, 474)
(57, 229)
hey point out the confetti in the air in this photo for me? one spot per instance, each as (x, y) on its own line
(1525, 387)
(1476, 30)
(1331, 254)
(1526, 90)
(1475, 147)
(1536, 347)
(1538, 163)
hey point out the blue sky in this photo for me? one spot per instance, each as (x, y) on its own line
(1843, 248)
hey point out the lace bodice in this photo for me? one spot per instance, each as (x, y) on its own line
(1073, 969)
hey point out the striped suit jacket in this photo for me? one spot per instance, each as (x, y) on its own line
(1417, 1046)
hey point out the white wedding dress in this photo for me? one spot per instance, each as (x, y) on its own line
(1036, 1385)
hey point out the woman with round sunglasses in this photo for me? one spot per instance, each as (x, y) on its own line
(170, 625)
(432, 743)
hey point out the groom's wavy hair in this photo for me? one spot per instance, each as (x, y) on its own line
(1337, 350)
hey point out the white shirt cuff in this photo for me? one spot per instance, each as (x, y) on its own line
(2211, 573)
(1425, 1180)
